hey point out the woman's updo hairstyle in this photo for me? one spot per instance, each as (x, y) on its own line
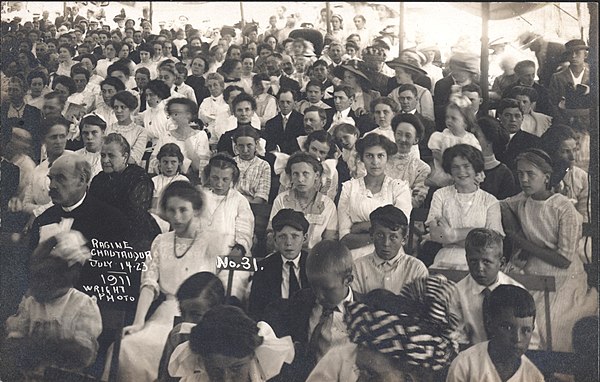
(372, 140)
(543, 161)
(225, 330)
(119, 140)
(222, 161)
(185, 191)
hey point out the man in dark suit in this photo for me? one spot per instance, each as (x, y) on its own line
(343, 97)
(16, 113)
(407, 95)
(570, 88)
(313, 317)
(283, 129)
(282, 273)
(511, 118)
(69, 179)
(9, 178)
(274, 69)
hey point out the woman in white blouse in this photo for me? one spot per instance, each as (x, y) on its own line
(155, 118)
(362, 196)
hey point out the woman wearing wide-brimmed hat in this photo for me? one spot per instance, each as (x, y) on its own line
(352, 74)
(405, 74)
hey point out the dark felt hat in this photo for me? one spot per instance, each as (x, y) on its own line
(573, 45)
(398, 63)
(289, 217)
(353, 67)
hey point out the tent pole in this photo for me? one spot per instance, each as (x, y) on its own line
(150, 12)
(483, 80)
(242, 15)
(593, 131)
(328, 7)
(401, 28)
(65, 10)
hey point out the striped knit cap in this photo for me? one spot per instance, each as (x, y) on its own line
(420, 338)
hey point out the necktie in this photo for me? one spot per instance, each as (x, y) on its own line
(486, 296)
(176, 88)
(285, 121)
(317, 345)
(338, 115)
(294, 284)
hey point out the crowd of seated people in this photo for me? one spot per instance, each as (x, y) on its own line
(359, 184)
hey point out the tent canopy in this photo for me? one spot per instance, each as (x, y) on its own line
(500, 11)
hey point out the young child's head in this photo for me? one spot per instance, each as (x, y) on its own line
(182, 111)
(181, 203)
(509, 315)
(485, 255)
(314, 91)
(346, 135)
(459, 119)
(221, 173)
(389, 227)
(301, 64)
(170, 159)
(198, 294)
(304, 171)
(215, 83)
(56, 265)
(182, 72)
(246, 139)
(329, 272)
(226, 339)
(92, 129)
(320, 144)
(290, 232)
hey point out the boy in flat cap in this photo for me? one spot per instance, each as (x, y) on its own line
(388, 267)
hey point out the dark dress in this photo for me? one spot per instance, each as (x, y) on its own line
(131, 192)
(499, 181)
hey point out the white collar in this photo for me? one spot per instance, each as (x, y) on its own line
(74, 206)
(286, 115)
(296, 260)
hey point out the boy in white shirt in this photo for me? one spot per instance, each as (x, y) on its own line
(485, 259)
(510, 320)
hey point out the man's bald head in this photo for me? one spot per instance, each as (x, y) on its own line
(70, 176)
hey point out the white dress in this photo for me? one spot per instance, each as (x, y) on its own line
(228, 220)
(140, 353)
(473, 210)
(357, 202)
(555, 224)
